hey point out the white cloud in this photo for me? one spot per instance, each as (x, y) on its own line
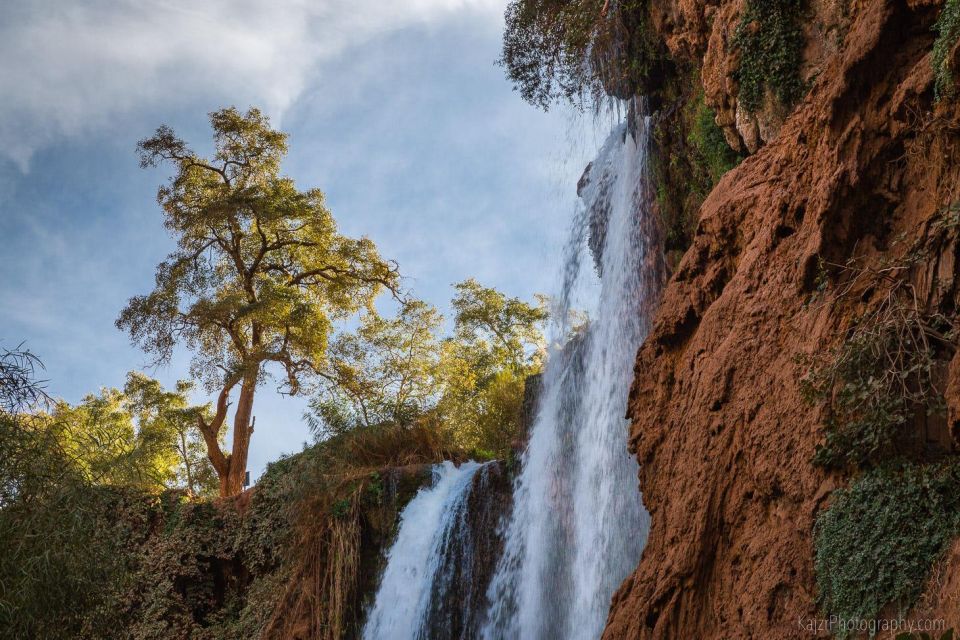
(70, 68)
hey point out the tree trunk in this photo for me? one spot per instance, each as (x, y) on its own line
(231, 483)
(185, 453)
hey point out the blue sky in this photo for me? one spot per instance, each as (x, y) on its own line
(394, 109)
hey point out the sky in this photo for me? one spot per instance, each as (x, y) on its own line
(395, 110)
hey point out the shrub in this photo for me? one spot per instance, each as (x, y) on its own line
(107, 562)
(66, 556)
(691, 155)
(876, 543)
(948, 30)
(771, 49)
(706, 137)
(877, 379)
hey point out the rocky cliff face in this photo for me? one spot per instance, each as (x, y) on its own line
(859, 168)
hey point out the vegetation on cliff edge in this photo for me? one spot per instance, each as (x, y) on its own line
(771, 42)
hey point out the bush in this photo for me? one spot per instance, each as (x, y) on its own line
(877, 379)
(109, 562)
(706, 137)
(691, 155)
(948, 30)
(66, 557)
(771, 50)
(876, 543)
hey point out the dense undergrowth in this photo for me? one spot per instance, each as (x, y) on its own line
(691, 157)
(881, 388)
(771, 43)
(91, 561)
(877, 541)
(878, 378)
(948, 31)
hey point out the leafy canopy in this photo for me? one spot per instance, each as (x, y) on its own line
(169, 418)
(260, 271)
(382, 373)
(401, 372)
(581, 50)
(508, 330)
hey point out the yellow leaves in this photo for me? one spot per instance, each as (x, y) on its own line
(261, 272)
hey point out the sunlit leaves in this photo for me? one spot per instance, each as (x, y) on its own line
(400, 370)
(260, 273)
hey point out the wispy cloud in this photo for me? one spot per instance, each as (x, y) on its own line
(71, 68)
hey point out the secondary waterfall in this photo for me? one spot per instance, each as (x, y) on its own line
(425, 589)
(578, 525)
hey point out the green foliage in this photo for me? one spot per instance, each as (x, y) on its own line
(399, 372)
(711, 146)
(508, 330)
(260, 271)
(105, 562)
(948, 31)
(771, 43)
(545, 46)
(484, 415)
(877, 541)
(691, 157)
(66, 555)
(100, 435)
(19, 387)
(579, 49)
(497, 342)
(143, 436)
(259, 276)
(86, 555)
(168, 419)
(382, 372)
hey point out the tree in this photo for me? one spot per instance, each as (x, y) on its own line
(580, 50)
(19, 387)
(169, 417)
(506, 331)
(259, 276)
(497, 343)
(383, 372)
(28, 459)
(396, 371)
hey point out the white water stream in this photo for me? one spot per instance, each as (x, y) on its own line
(577, 525)
(429, 525)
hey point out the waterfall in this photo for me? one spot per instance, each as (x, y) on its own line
(426, 589)
(578, 525)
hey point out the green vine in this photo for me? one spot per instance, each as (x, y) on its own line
(771, 44)
(948, 31)
(706, 137)
(878, 540)
(885, 371)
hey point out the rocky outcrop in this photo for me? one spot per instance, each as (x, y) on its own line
(471, 557)
(719, 426)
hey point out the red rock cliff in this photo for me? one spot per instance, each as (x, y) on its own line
(719, 427)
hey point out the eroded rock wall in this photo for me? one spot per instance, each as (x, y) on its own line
(720, 429)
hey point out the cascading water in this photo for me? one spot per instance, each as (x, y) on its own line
(578, 525)
(425, 591)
